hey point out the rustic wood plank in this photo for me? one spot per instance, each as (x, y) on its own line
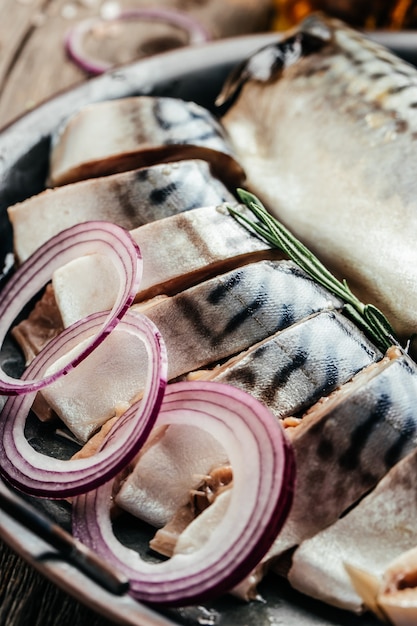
(17, 21)
(26, 597)
(41, 67)
(33, 62)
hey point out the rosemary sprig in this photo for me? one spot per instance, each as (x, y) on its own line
(371, 319)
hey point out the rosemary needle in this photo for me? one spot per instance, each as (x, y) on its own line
(371, 319)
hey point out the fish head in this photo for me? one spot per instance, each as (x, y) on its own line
(267, 64)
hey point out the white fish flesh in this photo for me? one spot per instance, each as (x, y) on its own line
(167, 471)
(383, 524)
(344, 447)
(129, 199)
(84, 400)
(178, 252)
(393, 595)
(380, 528)
(324, 123)
(200, 326)
(224, 315)
(202, 495)
(117, 135)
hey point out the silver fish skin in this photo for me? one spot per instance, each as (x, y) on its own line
(117, 135)
(299, 365)
(377, 531)
(346, 444)
(200, 326)
(325, 125)
(226, 314)
(129, 199)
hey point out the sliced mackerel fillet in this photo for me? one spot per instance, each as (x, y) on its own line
(330, 350)
(178, 252)
(129, 199)
(166, 472)
(118, 135)
(324, 123)
(343, 454)
(377, 531)
(345, 444)
(297, 366)
(200, 326)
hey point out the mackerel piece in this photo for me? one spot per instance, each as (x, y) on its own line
(346, 444)
(117, 135)
(129, 199)
(200, 326)
(379, 529)
(178, 252)
(225, 315)
(325, 126)
(169, 467)
(297, 366)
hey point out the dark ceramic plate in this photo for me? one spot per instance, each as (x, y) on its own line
(193, 74)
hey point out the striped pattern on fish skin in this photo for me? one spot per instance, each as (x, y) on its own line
(345, 445)
(296, 367)
(326, 133)
(379, 529)
(227, 314)
(129, 199)
(200, 326)
(116, 135)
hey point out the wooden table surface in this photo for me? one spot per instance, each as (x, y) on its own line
(33, 61)
(34, 66)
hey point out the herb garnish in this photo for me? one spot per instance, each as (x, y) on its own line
(371, 319)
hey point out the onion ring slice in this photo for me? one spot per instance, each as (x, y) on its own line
(263, 469)
(197, 33)
(44, 476)
(31, 276)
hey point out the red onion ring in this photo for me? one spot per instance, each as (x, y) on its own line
(31, 276)
(40, 475)
(263, 470)
(73, 41)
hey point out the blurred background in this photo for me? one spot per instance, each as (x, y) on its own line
(49, 45)
(366, 14)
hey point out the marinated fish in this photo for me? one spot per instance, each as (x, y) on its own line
(287, 372)
(84, 400)
(393, 594)
(201, 498)
(296, 367)
(324, 123)
(200, 326)
(129, 199)
(344, 446)
(264, 326)
(378, 530)
(224, 315)
(178, 252)
(167, 471)
(383, 524)
(43, 323)
(118, 135)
